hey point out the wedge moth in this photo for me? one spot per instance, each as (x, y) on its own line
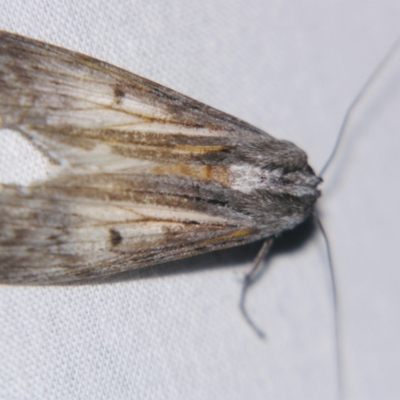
(140, 174)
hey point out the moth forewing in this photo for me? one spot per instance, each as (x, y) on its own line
(140, 174)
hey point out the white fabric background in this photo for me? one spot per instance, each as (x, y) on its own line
(292, 68)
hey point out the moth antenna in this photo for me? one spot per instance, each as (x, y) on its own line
(356, 102)
(250, 279)
(343, 128)
(335, 306)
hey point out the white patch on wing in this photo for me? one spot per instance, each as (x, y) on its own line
(126, 212)
(135, 225)
(170, 128)
(76, 160)
(84, 103)
(247, 178)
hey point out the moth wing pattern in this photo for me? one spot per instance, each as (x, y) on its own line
(140, 174)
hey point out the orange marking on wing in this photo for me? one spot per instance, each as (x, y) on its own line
(204, 172)
(227, 237)
(199, 148)
(241, 232)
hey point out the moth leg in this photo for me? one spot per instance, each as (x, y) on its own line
(250, 279)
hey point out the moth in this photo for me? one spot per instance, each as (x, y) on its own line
(140, 174)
